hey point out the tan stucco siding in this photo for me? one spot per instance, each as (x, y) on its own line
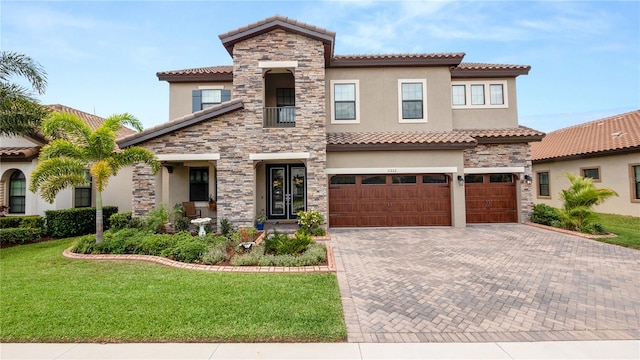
(118, 191)
(180, 96)
(614, 174)
(488, 118)
(379, 102)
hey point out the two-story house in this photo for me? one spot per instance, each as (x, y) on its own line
(368, 140)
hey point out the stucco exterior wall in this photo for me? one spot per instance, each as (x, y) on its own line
(614, 174)
(180, 95)
(492, 156)
(379, 98)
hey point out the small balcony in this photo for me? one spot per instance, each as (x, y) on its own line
(279, 117)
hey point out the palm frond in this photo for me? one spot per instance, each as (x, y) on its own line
(134, 155)
(101, 143)
(52, 175)
(116, 121)
(12, 63)
(61, 148)
(62, 125)
(101, 171)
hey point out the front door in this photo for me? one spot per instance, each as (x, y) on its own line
(287, 190)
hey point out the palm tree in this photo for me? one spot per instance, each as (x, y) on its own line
(76, 149)
(20, 112)
(579, 198)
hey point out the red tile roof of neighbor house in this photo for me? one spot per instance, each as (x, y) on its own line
(93, 121)
(615, 134)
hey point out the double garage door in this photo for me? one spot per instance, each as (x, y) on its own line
(418, 200)
(389, 200)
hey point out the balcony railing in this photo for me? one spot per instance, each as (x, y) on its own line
(276, 117)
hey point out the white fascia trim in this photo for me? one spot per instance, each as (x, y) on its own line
(387, 170)
(277, 64)
(494, 170)
(279, 156)
(188, 157)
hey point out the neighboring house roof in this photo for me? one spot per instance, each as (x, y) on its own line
(611, 135)
(210, 73)
(19, 153)
(456, 139)
(93, 121)
(230, 38)
(181, 123)
(465, 70)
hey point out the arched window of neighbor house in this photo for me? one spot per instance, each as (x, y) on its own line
(17, 192)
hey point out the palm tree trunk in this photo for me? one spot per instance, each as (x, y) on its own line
(99, 222)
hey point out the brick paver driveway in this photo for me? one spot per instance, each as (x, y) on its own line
(505, 282)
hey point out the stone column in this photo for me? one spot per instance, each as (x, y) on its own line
(144, 190)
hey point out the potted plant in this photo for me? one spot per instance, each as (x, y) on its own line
(260, 220)
(212, 203)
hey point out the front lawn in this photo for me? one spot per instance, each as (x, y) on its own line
(45, 297)
(626, 227)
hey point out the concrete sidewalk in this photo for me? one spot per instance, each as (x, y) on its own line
(610, 349)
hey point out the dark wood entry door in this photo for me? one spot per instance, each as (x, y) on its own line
(490, 198)
(286, 190)
(389, 200)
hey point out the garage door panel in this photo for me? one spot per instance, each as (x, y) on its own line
(391, 200)
(491, 202)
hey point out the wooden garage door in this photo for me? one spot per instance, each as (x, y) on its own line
(389, 200)
(490, 198)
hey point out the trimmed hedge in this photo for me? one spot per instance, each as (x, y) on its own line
(12, 236)
(30, 221)
(75, 222)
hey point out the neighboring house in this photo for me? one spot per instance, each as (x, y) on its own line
(19, 156)
(607, 150)
(367, 140)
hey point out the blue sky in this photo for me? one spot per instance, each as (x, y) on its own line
(102, 56)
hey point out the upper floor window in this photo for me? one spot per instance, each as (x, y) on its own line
(17, 192)
(198, 184)
(205, 98)
(593, 173)
(411, 99)
(82, 194)
(635, 182)
(345, 104)
(543, 184)
(479, 94)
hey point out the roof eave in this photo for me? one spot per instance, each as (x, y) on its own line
(398, 147)
(508, 139)
(154, 133)
(588, 155)
(409, 62)
(177, 78)
(488, 73)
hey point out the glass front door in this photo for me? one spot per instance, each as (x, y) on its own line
(287, 190)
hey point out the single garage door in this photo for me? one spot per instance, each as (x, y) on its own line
(389, 200)
(490, 198)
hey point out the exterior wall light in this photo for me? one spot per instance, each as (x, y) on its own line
(527, 178)
(460, 180)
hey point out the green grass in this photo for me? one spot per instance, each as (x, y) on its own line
(45, 297)
(626, 227)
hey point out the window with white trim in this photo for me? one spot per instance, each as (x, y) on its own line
(345, 101)
(412, 96)
(479, 94)
(82, 194)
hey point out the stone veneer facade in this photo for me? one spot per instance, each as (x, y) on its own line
(505, 155)
(240, 133)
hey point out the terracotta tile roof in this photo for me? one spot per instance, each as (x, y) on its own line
(274, 19)
(613, 134)
(208, 73)
(19, 153)
(488, 70)
(397, 140)
(365, 60)
(181, 122)
(93, 121)
(519, 134)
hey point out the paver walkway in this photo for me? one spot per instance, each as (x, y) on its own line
(485, 283)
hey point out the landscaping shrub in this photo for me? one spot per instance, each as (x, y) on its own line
(216, 254)
(314, 255)
(545, 215)
(75, 222)
(123, 220)
(225, 227)
(8, 222)
(12, 236)
(30, 221)
(283, 244)
(186, 248)
(310, 222)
